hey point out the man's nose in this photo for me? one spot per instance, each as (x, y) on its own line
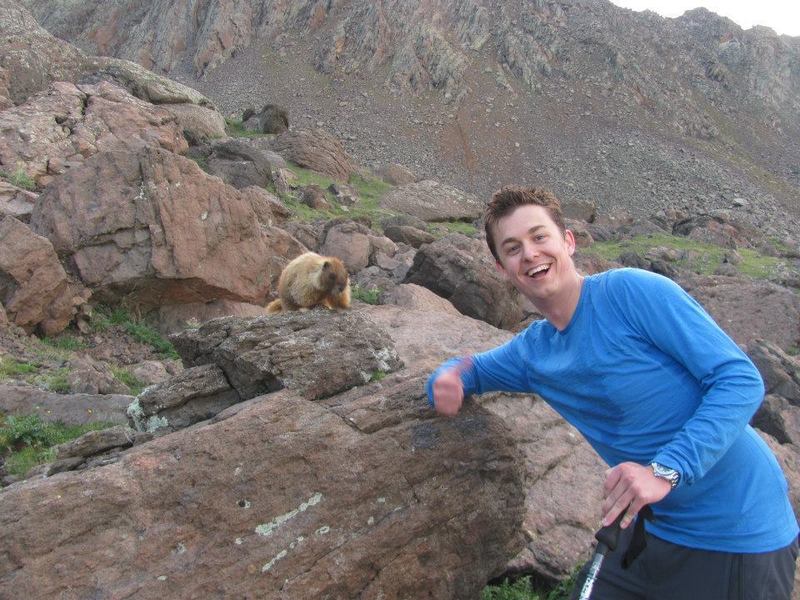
(528, 250)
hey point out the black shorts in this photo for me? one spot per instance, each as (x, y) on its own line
(666, 571)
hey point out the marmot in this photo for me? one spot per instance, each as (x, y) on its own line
(311, 280)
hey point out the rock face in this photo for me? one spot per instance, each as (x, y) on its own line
(58, 129)
(34, 288)
(240, 162)
(317, 353)
(316, 150)
(433, 201)
(31, 58)
(459, 269)
(296, 499)
(67, 408)
(163, 233)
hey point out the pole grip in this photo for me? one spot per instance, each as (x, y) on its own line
(609, 535)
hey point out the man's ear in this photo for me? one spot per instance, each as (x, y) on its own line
(569, 237)
(500, 268)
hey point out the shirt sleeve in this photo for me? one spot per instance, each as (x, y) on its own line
(662, 312)
(498, 370)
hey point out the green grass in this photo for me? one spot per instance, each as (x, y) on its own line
(456, 227)
(696, 256)
(11, 368)
(370, 296)
(105, 317)
(368, 189)
(235, 128)
(522, 589)
(20, 179)
(65, 342)
(129, 379)
(55, 381)
(27, 441)
(201, 161)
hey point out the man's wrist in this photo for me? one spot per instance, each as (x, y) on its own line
(667, 473)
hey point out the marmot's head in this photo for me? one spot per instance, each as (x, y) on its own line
(334, 275)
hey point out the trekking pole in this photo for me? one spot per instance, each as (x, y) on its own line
(607, 539)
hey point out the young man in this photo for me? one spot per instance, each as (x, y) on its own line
(661, 393)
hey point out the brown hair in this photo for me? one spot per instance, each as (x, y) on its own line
(508, 198)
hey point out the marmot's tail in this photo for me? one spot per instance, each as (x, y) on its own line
(275, 306)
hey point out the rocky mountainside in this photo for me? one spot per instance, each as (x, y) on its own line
(295, 454)
(630, 110)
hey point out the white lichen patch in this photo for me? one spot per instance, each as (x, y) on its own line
(135, 412)
(371, 521)
(238, 541)
(381, 500)
(180, 548)
(155, 423)
(162, 577)
(266, 529)
(276, 558)
(383, 356)
(322, 530)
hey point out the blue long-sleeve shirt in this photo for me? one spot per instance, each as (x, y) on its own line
(645, 374)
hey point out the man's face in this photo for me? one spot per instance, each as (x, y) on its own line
(534, 255)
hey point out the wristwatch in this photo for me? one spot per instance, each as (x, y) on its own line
(663, 472)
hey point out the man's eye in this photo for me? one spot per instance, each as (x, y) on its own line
(512, 250)
(540, 237)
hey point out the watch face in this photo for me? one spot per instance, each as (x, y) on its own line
(663, 472)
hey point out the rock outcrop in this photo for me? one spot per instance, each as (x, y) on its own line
(58, 129)
(317, 150)
(351, 496)
(433, 201)
(459, 269)
(152, 226)
(317, 353)
(34, 288)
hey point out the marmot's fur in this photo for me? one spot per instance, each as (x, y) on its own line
(311, 280)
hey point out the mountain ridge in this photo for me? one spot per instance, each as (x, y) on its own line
(631, 110)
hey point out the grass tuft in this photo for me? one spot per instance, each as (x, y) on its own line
(235, 128)
(27, 441)
(11, 368)
(370, 296)
(20, 179)
(129, 379)
(104, 317)
(696, 256)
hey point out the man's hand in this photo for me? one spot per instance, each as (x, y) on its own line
(448, 391)
(629, 487)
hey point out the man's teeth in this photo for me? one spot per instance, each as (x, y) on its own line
(538, 269)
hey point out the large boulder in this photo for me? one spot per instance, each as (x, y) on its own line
(199, 123)
(270, 119)
(145, 84)
(67, 408)
(153, 226)
(318, 353)
(460, 269)
(241, 162)
(58, 129)
(362, 495)
(30, 58)
(433, 201)
(34, 288)
(317, 150)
